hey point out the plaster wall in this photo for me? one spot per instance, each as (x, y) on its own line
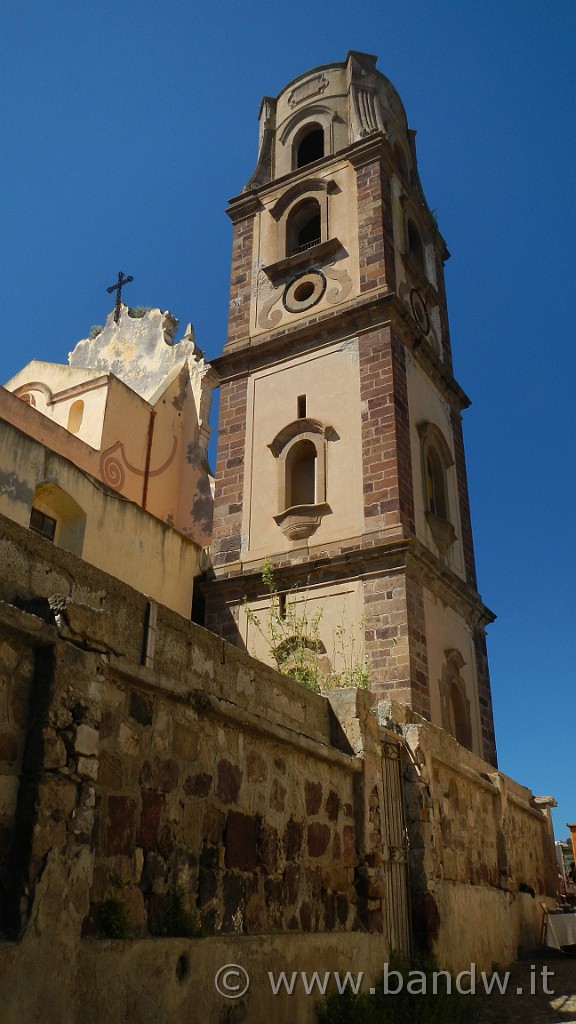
(114, 535)
(447, 630)
(426, 405)
(339, 610)
(330, 381)
(339, 221)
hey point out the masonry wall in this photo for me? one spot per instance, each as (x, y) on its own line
(264, 808)
(481, 850)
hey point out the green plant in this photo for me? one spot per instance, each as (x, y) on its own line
(291, 631)
(138, 312)
(426, 996)
(173, 920)
(95, 330)
(113, 919)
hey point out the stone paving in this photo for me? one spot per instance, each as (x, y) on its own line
(538, 1008)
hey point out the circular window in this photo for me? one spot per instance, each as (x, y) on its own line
(419, 310)
(304, 292)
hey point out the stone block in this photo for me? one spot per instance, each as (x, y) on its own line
(229, 780)
(349, 846)
(120, 825)
(241, 841)
(332, 805)
(313, 795)
(269, 848)
(110, 775)
(8, 747)
(91, 627)
(293, 836)
(256, 767)
(88, 768)
(140, 708)
(184, 741)
(213, 826)
(207, 886)
(318, 839)
(233, 893)
(192, 826)
(128, 740)
(57, 797)
(8, 795)
(278, 796)
(149, 822)
(198, 785)
(87, 741)
(165, 774)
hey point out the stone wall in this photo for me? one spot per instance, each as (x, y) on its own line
(481, 849)
(147, 765)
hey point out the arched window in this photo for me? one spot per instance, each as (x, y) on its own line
(458, 713)
(437, 463)
(436, 499)
(75, 416)
(300, 449)
(415, 247)
(454, 702)
(304, 227)
(309, 147)
(56, 515)
(301, 474)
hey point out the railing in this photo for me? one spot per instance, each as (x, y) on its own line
(307, 245)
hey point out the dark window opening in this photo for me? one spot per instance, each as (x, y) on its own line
(301, 482)
(43, 524)
(304, 227)
(198, 614)
(301, 406)
(436, 485)
(459, 722)
(401, 160)
(415, 243)
(281, 606)
(311, 148)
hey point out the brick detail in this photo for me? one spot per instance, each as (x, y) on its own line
(443, 312)
(395, 640)
(386, 451)
(375, 228)
(488, 751)
(241, 280)
(463, 500)
(229, 472)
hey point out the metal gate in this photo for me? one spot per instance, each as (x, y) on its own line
(394, 837)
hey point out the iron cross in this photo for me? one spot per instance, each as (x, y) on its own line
(118, 289)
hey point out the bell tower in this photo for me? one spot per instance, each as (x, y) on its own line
(340, 444)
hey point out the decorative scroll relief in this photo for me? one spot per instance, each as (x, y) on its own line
(311, 87)
(418, 309)
(114, 463)
(303, 292)
(366, 117)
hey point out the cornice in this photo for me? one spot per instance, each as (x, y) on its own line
(351, 319)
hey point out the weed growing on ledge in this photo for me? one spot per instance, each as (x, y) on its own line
(292, 635)
(114, 921)
(173, 919)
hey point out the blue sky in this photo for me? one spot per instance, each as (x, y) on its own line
(126, 128)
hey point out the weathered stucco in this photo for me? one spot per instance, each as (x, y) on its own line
(108, 531)
(140, 404)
